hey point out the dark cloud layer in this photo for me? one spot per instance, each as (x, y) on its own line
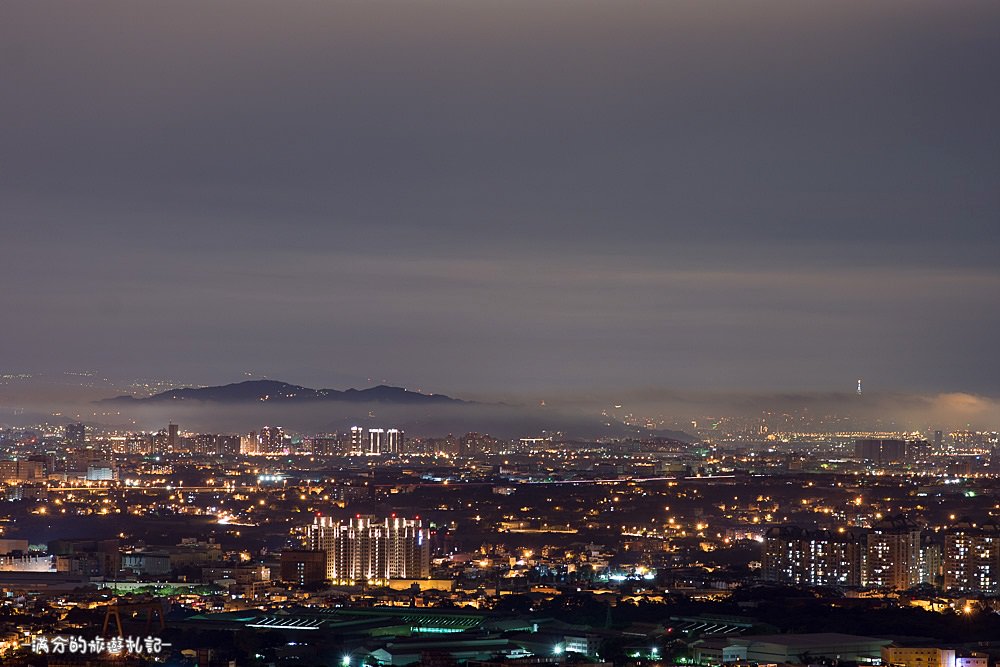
(483, 197)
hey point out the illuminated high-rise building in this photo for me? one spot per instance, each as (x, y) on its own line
(930, 564)
(213, 444)
(376, 438)
(249, 443)
(227, 444)
(366, 548)
(972, 558)
(322, 444)
(812, 557)
(22, 470)
(393, 441)
(892, 555)
(357, 441)
(271, 439)
(139, 443)
(376, 441)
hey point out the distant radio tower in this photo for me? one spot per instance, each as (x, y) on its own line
(859, 386)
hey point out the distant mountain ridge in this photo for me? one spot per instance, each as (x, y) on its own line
(283, 392)
(228, 407)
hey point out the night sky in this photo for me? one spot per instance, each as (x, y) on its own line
(485, 198)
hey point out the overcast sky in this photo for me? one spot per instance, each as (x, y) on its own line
(494, 197)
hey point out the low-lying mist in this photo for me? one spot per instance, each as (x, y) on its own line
(593, 415)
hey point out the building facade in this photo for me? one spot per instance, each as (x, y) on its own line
(892, 555)
(303, 567)
(812, 557)
(370, 549)
(972, 558)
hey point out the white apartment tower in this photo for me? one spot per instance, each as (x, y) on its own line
(372, 549)
(376, 441)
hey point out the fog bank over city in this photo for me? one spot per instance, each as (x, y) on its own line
(642, 411)
(905, 411)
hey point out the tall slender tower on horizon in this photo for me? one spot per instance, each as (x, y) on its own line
(859, 386)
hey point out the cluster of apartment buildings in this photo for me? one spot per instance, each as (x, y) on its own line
(894, 554)
(363, 548)
(87, 464)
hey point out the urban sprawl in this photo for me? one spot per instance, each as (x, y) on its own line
(750, 546)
